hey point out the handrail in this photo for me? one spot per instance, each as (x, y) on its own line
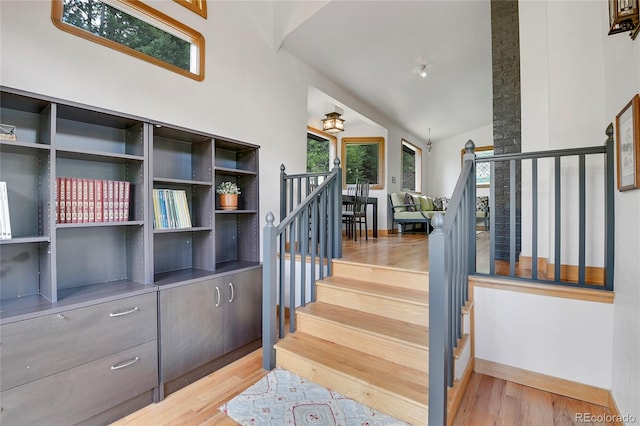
(310, 229)
(452, 249)
(511, 162)
(451, 261)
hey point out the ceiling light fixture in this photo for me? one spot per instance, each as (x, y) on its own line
(333, 123)
(429, 143)
(423, 71)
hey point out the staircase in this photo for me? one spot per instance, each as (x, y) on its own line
(366, 337)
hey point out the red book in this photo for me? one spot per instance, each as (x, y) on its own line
(91, 203)
(67, 197)
(59, 199)
(74, 200)
(121, 216)
(125, 209)
(116, 199)
(98, 192)
(110, 212)
(84, 183)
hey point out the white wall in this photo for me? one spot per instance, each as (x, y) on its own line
(559, 337)
(575, 79)
(622, 80)
(445, 162)
(250, 92)
(562, 97)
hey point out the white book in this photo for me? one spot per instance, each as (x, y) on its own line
(5, 220)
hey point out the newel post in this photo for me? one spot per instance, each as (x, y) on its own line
(439, 317)
(269, 279)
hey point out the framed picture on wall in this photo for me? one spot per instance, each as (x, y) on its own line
(628, 145)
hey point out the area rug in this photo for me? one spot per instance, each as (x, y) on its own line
(283, 398)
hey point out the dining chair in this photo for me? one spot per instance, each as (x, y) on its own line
(348, 211)
(360, 209)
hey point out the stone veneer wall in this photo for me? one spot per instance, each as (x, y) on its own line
(505, 50)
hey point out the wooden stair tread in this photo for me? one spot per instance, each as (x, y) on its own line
(401, 331)
(381, 267)
(405, 382)
(416, 297)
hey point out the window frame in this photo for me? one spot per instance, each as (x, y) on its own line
(476, 150)
(199, 7)
(149, 15)
(417, 166)
(363, 141)
(333, 144)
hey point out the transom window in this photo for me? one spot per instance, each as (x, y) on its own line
(136, 29)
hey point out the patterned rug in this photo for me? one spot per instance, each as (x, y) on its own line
(283, 398)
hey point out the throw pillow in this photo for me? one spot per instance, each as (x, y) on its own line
(397, 200)
(426, 203)
(445, 203)
(408, 200)
(437, 204)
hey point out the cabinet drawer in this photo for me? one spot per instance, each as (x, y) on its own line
(74, 395)
(46, 345)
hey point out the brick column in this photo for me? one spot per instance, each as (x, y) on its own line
(505, 50)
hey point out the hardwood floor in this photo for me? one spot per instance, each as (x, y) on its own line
(488, 401)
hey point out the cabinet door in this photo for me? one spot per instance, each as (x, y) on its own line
(243, 316)
(191, 324)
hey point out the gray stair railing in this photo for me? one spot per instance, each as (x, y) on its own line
(451, 261)
(309, 232)
(604, 230)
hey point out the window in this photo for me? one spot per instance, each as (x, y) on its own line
(411, 167)
(196, 6)
(363, 158)
(134, 28)
(483, 170)
(321, 148)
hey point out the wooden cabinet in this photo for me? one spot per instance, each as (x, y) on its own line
(76, 364)
(204, 320)
(79, 295)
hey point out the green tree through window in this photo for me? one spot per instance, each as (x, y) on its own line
(317, 154)
(167, 43)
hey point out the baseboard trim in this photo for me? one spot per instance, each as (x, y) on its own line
(543, 382)
(456, 393)
(615, 411)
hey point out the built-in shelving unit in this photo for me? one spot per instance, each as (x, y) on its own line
(65, 279)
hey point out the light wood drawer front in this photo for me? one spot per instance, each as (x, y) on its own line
(39, 347)
(74, 395)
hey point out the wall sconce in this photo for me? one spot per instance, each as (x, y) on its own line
(429, 143)
(624, 15)
(333, 123)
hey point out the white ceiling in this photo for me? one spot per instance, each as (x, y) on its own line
(375, 48)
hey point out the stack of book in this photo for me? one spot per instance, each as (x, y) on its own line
(5, 222)
(170, 209)
(81, 200)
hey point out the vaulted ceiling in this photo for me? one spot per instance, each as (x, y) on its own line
(375, 49)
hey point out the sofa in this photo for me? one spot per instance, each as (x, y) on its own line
(406, 208)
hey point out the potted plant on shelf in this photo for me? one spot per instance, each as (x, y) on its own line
(229, 192)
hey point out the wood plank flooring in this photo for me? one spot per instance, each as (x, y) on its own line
(488, 401)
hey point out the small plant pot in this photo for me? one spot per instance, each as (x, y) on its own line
(229, 201)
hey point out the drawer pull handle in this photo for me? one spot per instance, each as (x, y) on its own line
(119, 314)
(125, 364)
(231, 297)
(217, 296)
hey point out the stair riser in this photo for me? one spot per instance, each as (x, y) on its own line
(397, 278)
(394, 309)
(364, 393)
(394, 351)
